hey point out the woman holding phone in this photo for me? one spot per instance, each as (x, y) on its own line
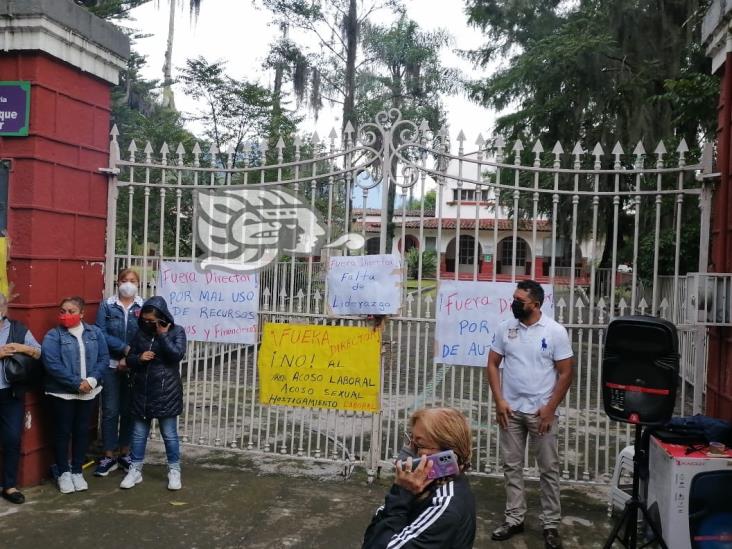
(157, 390)
(423, 508)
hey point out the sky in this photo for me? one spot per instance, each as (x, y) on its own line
(235, 31)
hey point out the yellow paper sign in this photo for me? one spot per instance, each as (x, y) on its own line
(309, 366)
(4, 266)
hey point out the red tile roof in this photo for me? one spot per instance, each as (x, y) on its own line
(542, 226)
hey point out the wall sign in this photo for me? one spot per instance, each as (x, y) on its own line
(14, 108)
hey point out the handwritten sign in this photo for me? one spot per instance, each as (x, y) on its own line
(14, 108)
(214, 306)
(468, 314)
(310, 366)
(364, 285)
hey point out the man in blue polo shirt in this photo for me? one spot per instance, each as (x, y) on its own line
(535, 355)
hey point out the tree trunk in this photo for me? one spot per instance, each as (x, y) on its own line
(396, 103)
(168, 100)
(351, 25)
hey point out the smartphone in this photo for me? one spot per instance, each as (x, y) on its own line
(444, 464)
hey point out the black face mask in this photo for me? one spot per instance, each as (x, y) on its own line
(517, 308)
(148, 327)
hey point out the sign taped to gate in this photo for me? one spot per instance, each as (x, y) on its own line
(213, 306)
(468, 312)
(364, 284)
(313, 366)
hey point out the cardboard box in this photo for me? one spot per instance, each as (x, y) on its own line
(671, 474)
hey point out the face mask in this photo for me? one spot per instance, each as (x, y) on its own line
(69, 320)
(148, 327)
(128, 289)
(517, 308)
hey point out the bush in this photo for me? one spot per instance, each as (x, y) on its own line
(429, 263)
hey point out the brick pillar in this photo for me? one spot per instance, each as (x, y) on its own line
(57, 200)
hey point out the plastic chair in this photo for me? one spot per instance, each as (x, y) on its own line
(623, 470)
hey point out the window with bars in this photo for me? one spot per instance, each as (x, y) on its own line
(470, 195)
(507, 252)
(466, 250)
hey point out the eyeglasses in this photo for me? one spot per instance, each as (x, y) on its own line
(409, 441)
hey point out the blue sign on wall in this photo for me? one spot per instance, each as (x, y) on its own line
(14, 108)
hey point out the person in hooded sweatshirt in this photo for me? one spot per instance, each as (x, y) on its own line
(157, 390)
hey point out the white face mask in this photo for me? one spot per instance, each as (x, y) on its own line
(128, 289)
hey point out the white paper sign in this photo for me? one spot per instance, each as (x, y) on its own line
(364, 285)
(468, 314)
(214, 306)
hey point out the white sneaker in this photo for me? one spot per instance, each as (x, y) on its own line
(174, 480)
(65, 483)
(77, 479)
(132, 478)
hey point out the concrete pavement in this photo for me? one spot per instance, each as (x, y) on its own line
(241, 500)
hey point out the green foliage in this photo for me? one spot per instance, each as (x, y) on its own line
(429, 263)
(688, 251)
(234, 110)
(429, 200)
(111, 9)
(599, 71)
(403, 70)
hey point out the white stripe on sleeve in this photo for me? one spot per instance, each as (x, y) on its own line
(440, 503)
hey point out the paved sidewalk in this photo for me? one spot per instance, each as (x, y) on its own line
(241, 500)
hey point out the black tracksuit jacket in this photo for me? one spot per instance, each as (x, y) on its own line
(445, 519)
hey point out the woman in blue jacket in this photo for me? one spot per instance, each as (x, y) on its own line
(157, 390)
(74, 355)
(117, 317)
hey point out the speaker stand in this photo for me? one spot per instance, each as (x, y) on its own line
(629, 518)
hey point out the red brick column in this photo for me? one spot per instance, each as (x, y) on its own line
(57, 198)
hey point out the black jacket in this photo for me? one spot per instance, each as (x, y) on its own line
(157, 390)
(445, 519)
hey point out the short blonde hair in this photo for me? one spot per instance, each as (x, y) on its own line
(449, 428)
(124, 272)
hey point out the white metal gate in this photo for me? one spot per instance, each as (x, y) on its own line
(500, 214)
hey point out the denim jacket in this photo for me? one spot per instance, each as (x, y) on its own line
(60, 355)
(111, 320)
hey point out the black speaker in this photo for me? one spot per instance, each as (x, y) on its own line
(710, 510)
(640, 370)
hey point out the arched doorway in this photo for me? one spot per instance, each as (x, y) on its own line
(466, 254)
(506, 259)
(409, 241)
(372, 246)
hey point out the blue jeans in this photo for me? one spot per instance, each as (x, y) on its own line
(70, 421)
(116, 420)
(169, 432)
(11, 426)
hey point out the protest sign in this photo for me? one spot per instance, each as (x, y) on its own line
(213, 306)
(468, 314)
(364, 285)
(312, 366)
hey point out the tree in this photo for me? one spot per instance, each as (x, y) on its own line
(236, 111)
(331, 73)
(598, 71)
(195, 9)
(111, 9)
(403, 72)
